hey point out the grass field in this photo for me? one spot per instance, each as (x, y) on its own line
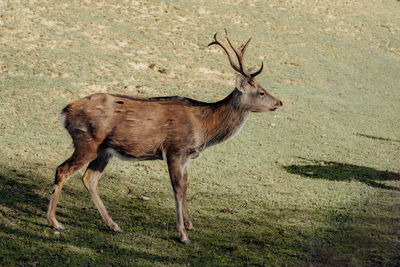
(316, 183)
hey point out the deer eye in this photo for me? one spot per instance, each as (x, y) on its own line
(262, 93)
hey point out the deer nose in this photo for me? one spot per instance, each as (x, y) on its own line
(278, 104)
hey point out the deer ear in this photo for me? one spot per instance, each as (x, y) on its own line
(241, 83)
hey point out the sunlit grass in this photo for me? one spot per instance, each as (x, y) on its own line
(316, 183)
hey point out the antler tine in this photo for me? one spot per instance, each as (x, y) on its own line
(257, 72)
(244, 47)
(239, 54)
(231, 61)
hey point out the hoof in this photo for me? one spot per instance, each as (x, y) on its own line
(55, 224)
(60, 227)
(116, 228)
(186, 241)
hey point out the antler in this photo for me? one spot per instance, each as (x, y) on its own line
(239, 54)
(231, 61)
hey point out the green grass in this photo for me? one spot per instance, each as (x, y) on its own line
(316, 183)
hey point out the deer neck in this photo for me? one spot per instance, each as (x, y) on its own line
(224, 119)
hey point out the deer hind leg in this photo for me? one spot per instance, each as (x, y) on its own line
(90, 180)
(78, 159)
(186, 217)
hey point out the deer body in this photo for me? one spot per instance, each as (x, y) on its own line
(148, 128)
(174, 129)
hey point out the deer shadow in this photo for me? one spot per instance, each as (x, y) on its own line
(336, 171)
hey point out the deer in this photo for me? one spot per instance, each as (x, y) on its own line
(175, 129)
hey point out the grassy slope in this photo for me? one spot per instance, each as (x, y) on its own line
(334, 64)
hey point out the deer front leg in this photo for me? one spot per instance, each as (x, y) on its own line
(179, 186)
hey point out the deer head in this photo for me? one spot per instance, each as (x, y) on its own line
(254, 97)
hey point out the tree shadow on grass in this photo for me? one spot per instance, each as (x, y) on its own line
(27, 239)
(222, 239)
(19, 195)
(336, 171)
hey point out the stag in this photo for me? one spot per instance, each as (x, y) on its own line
(175, 129)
